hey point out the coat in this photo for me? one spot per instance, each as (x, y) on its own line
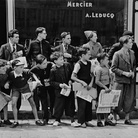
(121, 63)
(71, 50)
(6, 52)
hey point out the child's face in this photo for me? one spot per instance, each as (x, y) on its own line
(87, 55)
(59, 61)
(105, 61)
(19, 69)
(43, 65)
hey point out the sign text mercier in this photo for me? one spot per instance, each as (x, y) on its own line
(85, 4)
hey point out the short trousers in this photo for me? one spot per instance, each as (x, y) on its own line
(17, 91)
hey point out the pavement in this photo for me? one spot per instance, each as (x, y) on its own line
(28, 129)
(26, 112)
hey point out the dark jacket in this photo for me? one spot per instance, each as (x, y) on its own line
(59, 76)
(71, 50)
(115, 47)
(6, 52)
(118, 46)
(36, 47)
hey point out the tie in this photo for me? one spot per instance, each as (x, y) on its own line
(13, 48)
(66, 48)
(41, 48)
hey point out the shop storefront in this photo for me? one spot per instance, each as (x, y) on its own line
(107, 17)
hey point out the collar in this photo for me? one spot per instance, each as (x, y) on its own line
(125, 50)
(11, 45)
(92, 43)
(17, 75)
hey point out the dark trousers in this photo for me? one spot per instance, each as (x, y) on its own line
(36, 99)
(84, 111)
(51, 98)
(127, 97)
(63, 103)
(42, 96)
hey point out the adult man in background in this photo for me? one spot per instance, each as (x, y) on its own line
(39, 46)
(10, 51)
(69, 51)
(124, 66)
(118, 46)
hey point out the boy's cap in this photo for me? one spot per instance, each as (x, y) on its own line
(88, 33)
(128, 33)
(17, 63)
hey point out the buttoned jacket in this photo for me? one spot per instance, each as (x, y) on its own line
(6, 51)
(122, 63)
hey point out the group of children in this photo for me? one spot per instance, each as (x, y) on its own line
(61, 78)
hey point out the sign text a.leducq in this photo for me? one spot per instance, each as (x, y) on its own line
(99, 15)
(79, 4)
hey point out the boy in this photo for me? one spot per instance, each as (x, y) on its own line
(4, 98)
(82, 74)
(60, 79)
(103, 81)
(18, 80)
(41, 70)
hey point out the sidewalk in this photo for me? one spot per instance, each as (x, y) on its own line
(26, 112)
(28, 129)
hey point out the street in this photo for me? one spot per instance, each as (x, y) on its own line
(28, 129)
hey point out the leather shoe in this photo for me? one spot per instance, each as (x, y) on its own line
(100, 124)
(128, 122)
(7, 122)
(15, 124)
(109, 123)
(39, 123)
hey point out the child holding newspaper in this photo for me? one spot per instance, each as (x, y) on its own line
(4, 97)
(60, 79)
(103, 81)
(18, 81)
(82, 74)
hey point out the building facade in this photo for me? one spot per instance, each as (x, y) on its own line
(108, 17)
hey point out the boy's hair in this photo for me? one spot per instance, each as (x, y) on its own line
(12, 32)
(91, 35)
(56, 55)
(83, 50)
(101, 56)
(64, 34)
(39, 30)
(40, 58)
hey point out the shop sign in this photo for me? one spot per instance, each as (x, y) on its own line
(99, 15)
(85, 4)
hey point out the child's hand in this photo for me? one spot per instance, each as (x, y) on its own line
(39, 83)
(107, 90)
(7, 85)
(70, 82)
(89, 87)
(83, 83)
(66, 86)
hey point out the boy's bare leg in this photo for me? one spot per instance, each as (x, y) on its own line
(14, 108)
(32, 103)
(5, 112)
